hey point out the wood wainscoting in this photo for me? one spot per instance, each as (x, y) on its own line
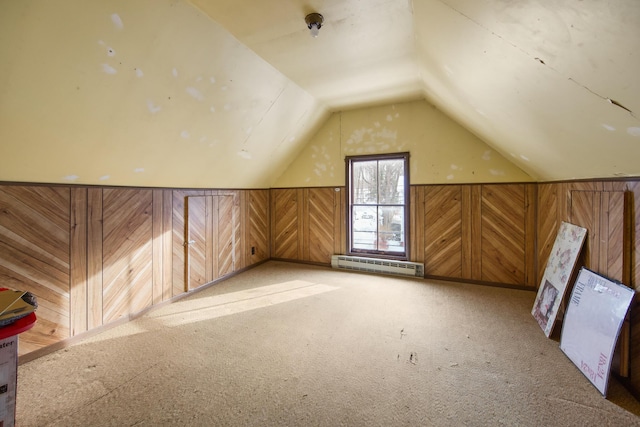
(479, 233)
(308, 224)
(94, 255)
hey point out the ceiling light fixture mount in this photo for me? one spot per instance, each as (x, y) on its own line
(314, 23)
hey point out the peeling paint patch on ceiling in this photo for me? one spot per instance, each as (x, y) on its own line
(117, 21)
(109, 69)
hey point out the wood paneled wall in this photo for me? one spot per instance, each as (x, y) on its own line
(482, 233)
(93, 255)
(478, 233)
(609, 212)
(35, 256)
(307, 224)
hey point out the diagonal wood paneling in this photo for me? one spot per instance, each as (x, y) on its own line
(258, 218)
(127, 252)
(503, 233)
(548, 224)
(285, 223)
(229, 233)
(179, 234)
(198, 240)
(617, 237)
(94, 258)
(321, 225)
(34, 256)
(179, 282)
(443, 231)
(582, 212)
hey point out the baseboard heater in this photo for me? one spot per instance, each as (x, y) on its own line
(377, 265)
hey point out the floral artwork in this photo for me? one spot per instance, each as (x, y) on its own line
(557, 273)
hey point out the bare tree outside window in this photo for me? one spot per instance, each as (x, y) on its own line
(378, 187)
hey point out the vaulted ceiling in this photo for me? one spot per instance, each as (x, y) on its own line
(552, 85)
(227, 93)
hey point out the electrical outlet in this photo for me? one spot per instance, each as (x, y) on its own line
(253, 250)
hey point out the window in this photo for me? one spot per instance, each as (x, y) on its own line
(378, 211)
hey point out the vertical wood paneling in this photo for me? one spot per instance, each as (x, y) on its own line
(158, 229)
(475, 234)
(338, 207)
(634, 282)
(343, 222)
(503, 233)
(78, 294)
(417, 224)
(633, 212)
(35, 256)
(211, 224)
(413, 190)
(94, 258)
(443, 231)
(466, 234)
(604, 215)
(239, 224)
(303, 224)
(127, 251)
(530, 218)
(628, 232)
(245, 229)
(215, 238)
(167, 244)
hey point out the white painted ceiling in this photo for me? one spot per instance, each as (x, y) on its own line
(553, 85)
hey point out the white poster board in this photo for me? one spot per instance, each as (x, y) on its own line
(8, 380)
(592, 324)
(557, 274)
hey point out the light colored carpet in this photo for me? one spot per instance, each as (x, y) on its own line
(294, 345)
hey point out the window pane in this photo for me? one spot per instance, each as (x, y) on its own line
(391, 228)
(365, 183)
(391, 178)
(364, 227)
(377, 186)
